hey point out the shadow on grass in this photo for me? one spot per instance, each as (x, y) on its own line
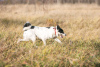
(8, 22)
(96, 45)
(97, 65)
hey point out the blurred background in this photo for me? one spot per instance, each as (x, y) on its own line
(49, 1)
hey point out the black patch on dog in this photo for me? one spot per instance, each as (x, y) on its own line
(27, 24)
(32, 27)
(59, 29)
(48, 27)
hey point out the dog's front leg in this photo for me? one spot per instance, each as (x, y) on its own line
(44, 41)
(33, 40)
(56, 39)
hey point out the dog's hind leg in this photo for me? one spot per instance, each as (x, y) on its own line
(22, 40)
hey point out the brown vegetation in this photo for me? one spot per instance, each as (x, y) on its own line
(81, 46)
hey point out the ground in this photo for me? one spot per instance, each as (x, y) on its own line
(80, 48)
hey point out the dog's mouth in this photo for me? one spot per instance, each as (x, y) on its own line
(61, 36)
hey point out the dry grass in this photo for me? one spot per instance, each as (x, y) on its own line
(81, 46)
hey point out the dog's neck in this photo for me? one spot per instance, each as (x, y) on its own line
(55, 30)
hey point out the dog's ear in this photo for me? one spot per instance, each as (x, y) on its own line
(58, 27)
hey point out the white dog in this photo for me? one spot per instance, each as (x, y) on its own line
(43, 33)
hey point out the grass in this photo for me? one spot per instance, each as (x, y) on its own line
(80, 48)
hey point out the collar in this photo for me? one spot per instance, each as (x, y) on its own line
(55, 30)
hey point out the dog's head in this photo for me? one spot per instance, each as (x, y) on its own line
(60, 31)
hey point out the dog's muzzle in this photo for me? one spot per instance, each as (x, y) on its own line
(62, 35)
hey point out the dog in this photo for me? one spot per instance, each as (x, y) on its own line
(43, 33)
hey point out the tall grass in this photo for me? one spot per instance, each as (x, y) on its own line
(80, 48)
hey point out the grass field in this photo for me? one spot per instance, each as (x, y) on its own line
(80, 48)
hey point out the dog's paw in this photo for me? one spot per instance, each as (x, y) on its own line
(36, 46)
(60, 42)
(18, 40)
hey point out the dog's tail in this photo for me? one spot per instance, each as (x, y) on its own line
(26, 26)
